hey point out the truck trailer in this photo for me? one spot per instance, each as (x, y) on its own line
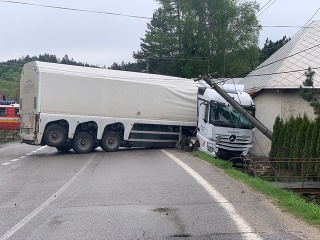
(82, 108)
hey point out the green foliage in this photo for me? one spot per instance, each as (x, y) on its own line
(271, 47)
(293, 143)
(189, 38)
(297, 139)
(132, 67)
(306, 148)
(281, 147)
(301, 137)
(288, 136)
(309, 93)
(9, 89)
(10, 71)
(278, 125)
(314, 139)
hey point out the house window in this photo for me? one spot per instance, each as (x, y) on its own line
(3, 112)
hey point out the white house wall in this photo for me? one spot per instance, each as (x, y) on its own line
(273, 103)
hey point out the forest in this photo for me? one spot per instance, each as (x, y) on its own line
(185, 38)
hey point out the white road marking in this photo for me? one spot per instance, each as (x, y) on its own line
(6, 163)
(28, 154)
(22, 157)
(14, 160)
(45, 204)
(39, 149)
(241, 223)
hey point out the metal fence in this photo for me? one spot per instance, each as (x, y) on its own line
(293, 173)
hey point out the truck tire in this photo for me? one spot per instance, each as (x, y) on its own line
(55, 135)
(110, 141)
(83, 143)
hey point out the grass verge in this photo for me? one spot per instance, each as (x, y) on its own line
(9, 136)
(291, 202)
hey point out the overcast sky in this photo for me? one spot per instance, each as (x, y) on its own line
(102, 39)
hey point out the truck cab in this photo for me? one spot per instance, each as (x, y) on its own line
(222, 131)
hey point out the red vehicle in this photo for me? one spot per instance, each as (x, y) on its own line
(9, 115)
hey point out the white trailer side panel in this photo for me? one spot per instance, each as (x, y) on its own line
(76, 90)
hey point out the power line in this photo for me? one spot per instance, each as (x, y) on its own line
(288, 56)
(267, 7)
(286, 26)
(75, 9)
(263, 6)
(277, 73)
(312, 16)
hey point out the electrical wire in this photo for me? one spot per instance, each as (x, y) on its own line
(312, 17)
(267, 7)
(75, 9)
(263, 6)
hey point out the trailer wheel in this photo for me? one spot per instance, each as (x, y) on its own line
(83, 142)
(110, 141)
(55, 135)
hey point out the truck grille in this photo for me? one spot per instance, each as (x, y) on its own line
(230, 143)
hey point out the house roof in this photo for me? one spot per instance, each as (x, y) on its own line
(286, 67)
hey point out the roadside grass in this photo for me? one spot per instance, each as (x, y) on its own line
(8, 136)
(288, 201)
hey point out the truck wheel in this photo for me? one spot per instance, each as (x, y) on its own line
(83, 142)
(110, 141)
(54, 135)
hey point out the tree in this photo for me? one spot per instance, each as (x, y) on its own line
(288, 136)
(307, 148)
(270, 48)
(309, 92)
(278, 125)
(189, 37)
(301, 137)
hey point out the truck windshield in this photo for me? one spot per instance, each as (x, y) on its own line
(227, 116)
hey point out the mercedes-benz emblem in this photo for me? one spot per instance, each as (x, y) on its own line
(232, 138)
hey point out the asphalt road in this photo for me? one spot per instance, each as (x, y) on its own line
(130, 194)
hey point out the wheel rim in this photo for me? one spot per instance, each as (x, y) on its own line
(83, 143)
(111, 142)
(55, 136)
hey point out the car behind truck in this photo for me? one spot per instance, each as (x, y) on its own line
(67, 107)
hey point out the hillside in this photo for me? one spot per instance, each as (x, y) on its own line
(10, 72)
(10, 89)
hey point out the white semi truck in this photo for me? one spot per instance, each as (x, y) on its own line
(67, 107)
(222, 130)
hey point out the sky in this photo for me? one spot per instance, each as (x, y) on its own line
(88, 34)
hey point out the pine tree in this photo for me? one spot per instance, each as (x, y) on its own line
(306, 149)
(301, 137)
(277, 127)
(314, 138)
(310, 93)
(294, 153)
(288, 136)
(281, 148)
